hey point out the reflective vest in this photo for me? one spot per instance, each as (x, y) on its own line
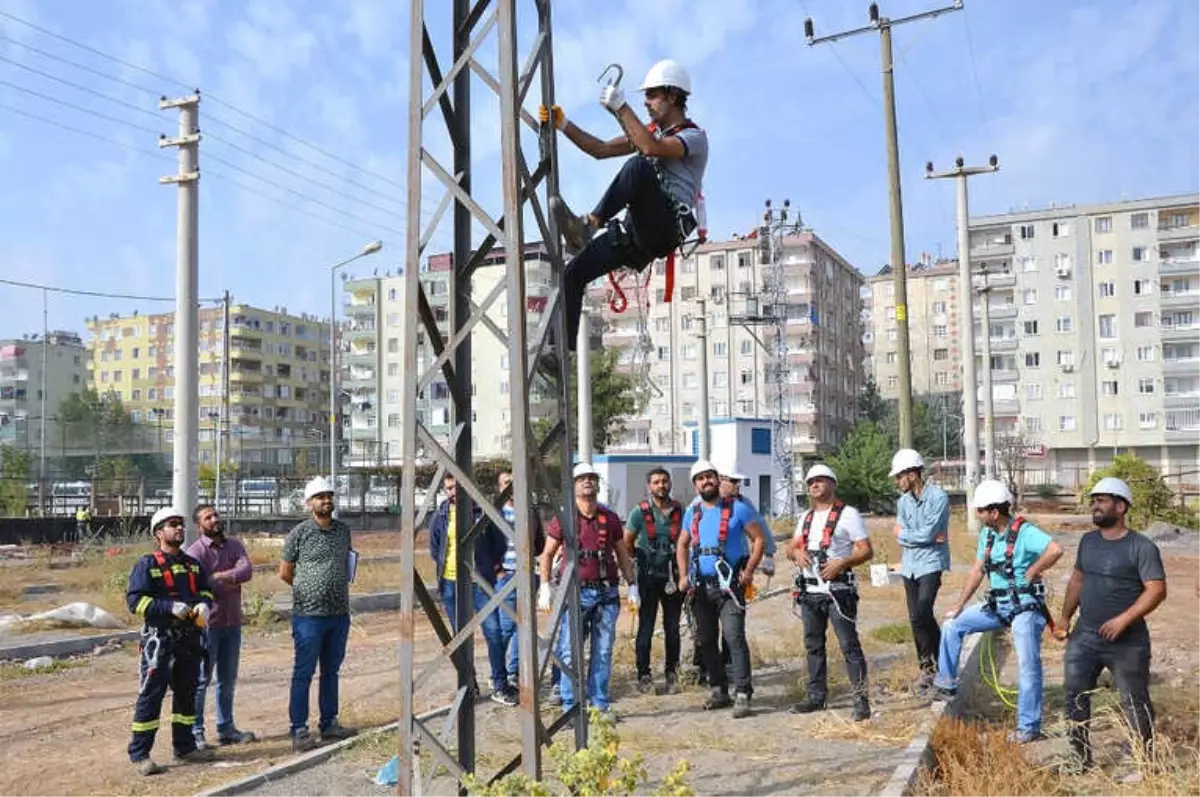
(722, 533)
(168, 578)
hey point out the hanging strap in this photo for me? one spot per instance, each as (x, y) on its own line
(831, 521)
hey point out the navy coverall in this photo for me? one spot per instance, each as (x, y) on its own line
(171, 649)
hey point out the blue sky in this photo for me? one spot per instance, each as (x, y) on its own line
(1082, 101)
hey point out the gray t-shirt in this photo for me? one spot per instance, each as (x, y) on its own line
(321, 585)
(684, 177)
(1113, 576)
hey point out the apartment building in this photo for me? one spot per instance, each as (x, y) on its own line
(822, 326)
(22, 378)
(1094, 329)
(934, 320)
(278, 388)
(373, 352)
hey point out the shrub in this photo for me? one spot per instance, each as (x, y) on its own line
(1152, 497)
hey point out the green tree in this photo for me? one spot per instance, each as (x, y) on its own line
(1152, 496)
(615, 396)
(94, 426)
(862, 463)
(871, 405)
(14, 475)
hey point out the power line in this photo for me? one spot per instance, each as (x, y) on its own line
(974, 71)
(80, 131)
(78, 65)
(81, 87)
(72, 105)
(925, 97)
(99, 294)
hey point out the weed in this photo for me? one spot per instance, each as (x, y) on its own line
(893, 633)
(10, 672)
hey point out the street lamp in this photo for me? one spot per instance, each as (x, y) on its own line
(370, 249)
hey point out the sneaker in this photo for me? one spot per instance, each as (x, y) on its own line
(505, 696)
(862, 710)
(741, 706)
(646, 685)
(808, 705)
(513, 681)
(199, 737)
(943, 693)
(337, 731)
(555, 698)
(672, 685)
(197, 756)
(718, 699)
(302, 741)
(924, 684)
(1023, 737)
(146, 768)
(576, 231)
(238, 737)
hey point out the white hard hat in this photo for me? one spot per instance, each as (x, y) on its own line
(667, 73)
(702, 466)
(818, 470)
(1111, 485)
(728, 468)
(586, 469)
(164, 514)
(316, 486)
(990, 492)
(906, 459)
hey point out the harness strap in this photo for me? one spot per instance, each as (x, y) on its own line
(676, 518)
(169, 578)
(831, 521)
(722, 532)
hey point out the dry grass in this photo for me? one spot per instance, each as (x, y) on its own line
(975, 759)
(893, 728)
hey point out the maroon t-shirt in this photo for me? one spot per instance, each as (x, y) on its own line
(605, 525)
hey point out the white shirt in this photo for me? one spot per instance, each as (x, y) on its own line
(849, 530)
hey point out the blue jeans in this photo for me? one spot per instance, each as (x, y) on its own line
(508, 629)
(224, 652)
(1027, 640)
(323, 640)
(490, 628)
(600, 609)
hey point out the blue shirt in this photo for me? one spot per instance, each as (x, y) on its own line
(1031, 544)
(769, 544)
(509, 562)
(737, 545)
(924, 532)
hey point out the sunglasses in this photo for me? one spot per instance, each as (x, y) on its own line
(173, 523)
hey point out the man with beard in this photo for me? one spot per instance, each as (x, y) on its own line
(922, 528)
(651, 534)
(660, 185)
(227, 565)
(170, 592)
(721, 546)
(315, 564)
(1117, 581)
(601, 550)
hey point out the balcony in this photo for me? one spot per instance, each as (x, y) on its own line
(1184, 365)
(1001, 279)
(1182, 401)
(1005, 375)
(1180, 232)
(361, 355)
(1183, 299)
(1180, 332)
(359, 332)
(992, 246)
(997, 344)
(1004, 406)
(1179, 265)
(997, 312)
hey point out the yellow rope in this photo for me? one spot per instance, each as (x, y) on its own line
(990, 675)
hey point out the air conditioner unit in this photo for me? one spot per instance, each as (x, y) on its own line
(1112, 364)
(1068, 369)
(1063, 271)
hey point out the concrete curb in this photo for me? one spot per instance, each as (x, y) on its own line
(920, 752)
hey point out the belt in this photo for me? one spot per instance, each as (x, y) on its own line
(601, 584)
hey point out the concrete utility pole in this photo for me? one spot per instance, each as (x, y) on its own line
(896, 211)
(223, 407)
(186, 440)
(989, 423)
(702, 336)
(970, 409)
(583, 370)
(42, 408)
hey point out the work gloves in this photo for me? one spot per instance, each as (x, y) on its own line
(612, 98)
(635, 599)
(201, 613)
(767, 565)
(554, 112)
(181, 610)
(544, 597)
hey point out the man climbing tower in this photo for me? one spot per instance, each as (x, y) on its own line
(660, 185)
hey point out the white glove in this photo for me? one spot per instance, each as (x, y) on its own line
(181, 610)
(612, 98)
(635, 600)
(544, 598)
(767, 565)
(201, 612)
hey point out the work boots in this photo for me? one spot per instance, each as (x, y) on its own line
(147, 767)
(719, 698)
(862, 709)
(741, 706)
(808, 705)
(197, 756)
(576, 230)
(646, 685)
(672, 686)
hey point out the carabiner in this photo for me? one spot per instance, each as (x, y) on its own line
(609, 68)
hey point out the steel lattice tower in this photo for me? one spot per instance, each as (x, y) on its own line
(523, 188)
(775, 317)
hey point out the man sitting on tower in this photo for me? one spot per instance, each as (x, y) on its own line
(660, 185)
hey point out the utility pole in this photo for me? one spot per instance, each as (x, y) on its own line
(223, 407)
(705, 446)
(989, 424)
(583, 371)
(186, 441)
(884, 26)
(970, 408)
(42, 409)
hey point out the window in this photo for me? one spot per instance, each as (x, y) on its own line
(393, 369)
(746, 347)
(760, 440)
(720, 348)
(890, 357)
(1108, 326)
(1031, 328)
(941, 354)
(1147, 420)
(1104, 224)
(939, 331)
(1060, 229)
(1026, 231)
(1029, 296)
(1139, 221)
(1032, 423)
(942, 378)
(747, 377)
(689, 351)
(720, 379)
(1064, 324)
(1033, 359)
(1062, 262)
(1033, 392)
(1066, 390)
(1146, 385)
(1029, 264)
(1107, 290)
(690, 382)
(893, 380)
(939, 308)
(1139, 254)
(893, 335)
(393, 345)
(1145, 354)
(716, 263)
(1066, 423)
(1112, 421)
(1104, 257)
(1062, 293)
(889, 312)
(1143, 319)
(1109, 388)
(1142, 287)
(940, 284)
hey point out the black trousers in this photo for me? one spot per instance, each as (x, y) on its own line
(653, 594)
(818, 612)
(927, 634)
(655, 228)
(169, 658)
(718, 615)
(1128, 659)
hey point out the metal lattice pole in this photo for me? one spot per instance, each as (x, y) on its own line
(783, 427)
(532, 477)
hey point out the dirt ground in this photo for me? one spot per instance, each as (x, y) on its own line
(66, 731)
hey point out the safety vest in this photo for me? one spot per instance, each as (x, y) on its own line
(168, 578)
(722, 533)
(618, 303)
(831, 521)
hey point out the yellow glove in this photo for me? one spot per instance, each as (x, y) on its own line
(201, 612)
(560, 118)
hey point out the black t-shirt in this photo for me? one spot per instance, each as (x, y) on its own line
(1114, 572)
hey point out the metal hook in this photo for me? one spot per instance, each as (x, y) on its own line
(609, 68)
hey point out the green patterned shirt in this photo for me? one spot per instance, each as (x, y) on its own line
(321, 586)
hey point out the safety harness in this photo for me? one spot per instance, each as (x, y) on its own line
(688, 217)
(165, 572)
(722, 533)
(597, 553)
(803, 582)
(676, 520)
(1013, 592)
